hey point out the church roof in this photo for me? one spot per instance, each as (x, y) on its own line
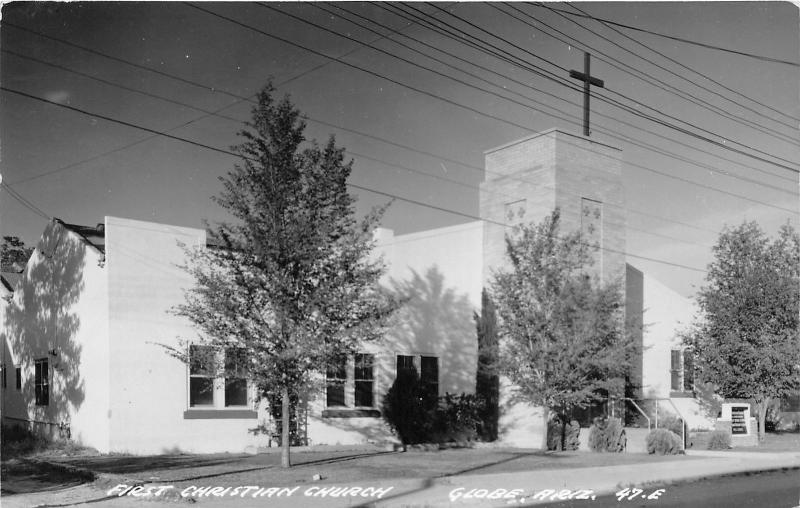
(93, 235)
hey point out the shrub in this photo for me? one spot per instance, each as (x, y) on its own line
(719, 440)
(405, 410)
(663, 442)
(607, 435)
(563, 436)
(457, 418)
(672, 423)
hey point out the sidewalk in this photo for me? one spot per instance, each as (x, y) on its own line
(527, 487)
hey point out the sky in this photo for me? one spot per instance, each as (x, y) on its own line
(415, 95)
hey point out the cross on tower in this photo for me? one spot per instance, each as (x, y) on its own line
(588, 80)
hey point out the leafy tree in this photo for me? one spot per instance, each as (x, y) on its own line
(292, 283)
(13, 254)
(746, 340)
(562, 336)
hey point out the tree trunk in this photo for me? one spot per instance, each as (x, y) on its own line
(285, 420)
(761, 416)
(545, 417)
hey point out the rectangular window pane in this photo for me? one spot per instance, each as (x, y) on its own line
(19, 377)
(675, 370)
(364, 380)
(235, 392)
(430, 376)
(235, 362)
(41, 382)
(364, 393)
(405, 362)
(201, 360)
(688, 370)
(335, 379)
(201, 391)
(364, 366)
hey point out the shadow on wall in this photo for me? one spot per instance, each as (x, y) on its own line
(434, 320)
(39, 325)
(439, 320)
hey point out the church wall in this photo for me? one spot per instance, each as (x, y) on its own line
(666, 314)
(439, 274)
(58, 313)
(149, 388)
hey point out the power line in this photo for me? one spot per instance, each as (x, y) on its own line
(665, 86)
(634, 165)
(648, 117)
(623, 138)
(524, 65)
(686, 41)
(24, 201)
(641, 144)
(360, 187)
(721, 85)
(377, 138)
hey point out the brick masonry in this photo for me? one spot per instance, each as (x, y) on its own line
(550, 169)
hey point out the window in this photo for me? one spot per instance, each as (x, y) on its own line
(682, 370)
(591, 222)
(19, 377)
(335, 380)
(41, 382)
(354, 387)
(429, 376)
(428, 373)
(364, 380)
(235, 377)
(515, 212)
(201, 375)
(209, 387)
(405, 362)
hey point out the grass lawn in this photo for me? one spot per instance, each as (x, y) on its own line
(775, 442)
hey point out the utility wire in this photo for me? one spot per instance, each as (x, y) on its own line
(366, 157)
(360, 187)
(661, 84)
(24, 201)
(514, 60)
(686, 41)
(213, 89)
(641, 144)
(634, 165)
(216, 113)
(648, 117)
(680, 64)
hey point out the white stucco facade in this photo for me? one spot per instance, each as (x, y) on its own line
(100, 315)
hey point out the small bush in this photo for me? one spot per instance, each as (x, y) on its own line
(457, 418)
(607, 435)
(563, 436)
(672, 423)
(663, 442)
(405, 409)
(719, 440)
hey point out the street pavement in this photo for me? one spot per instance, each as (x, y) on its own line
(540, 487)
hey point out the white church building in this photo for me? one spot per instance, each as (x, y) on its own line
(83, 327)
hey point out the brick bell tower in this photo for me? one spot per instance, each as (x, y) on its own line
(524, 181)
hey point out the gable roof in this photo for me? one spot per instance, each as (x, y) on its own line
(93, 235)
